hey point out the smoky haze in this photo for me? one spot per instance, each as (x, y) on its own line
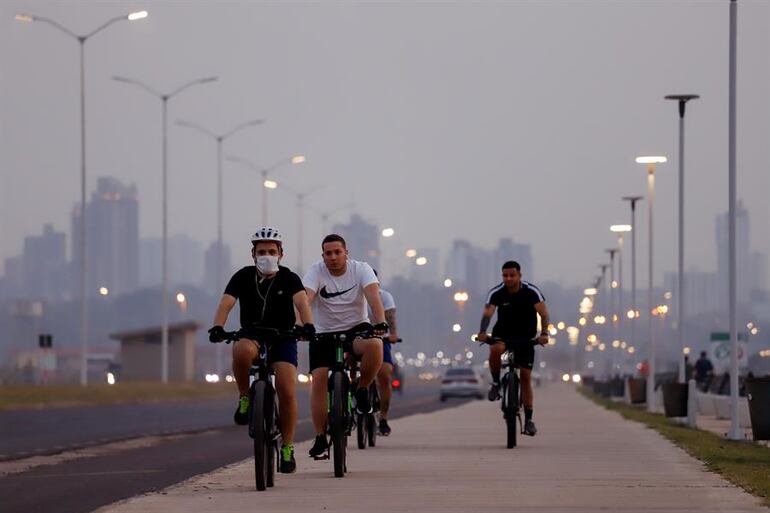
(442, 120)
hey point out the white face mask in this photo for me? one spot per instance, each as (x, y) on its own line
(267, 264)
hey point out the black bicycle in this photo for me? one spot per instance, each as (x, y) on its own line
(340, 398)
(510, 384)
(263, 407)
(366, 423)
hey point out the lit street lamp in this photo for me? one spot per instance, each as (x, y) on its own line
(301, 195)
(682, 100)
(265, 182)
(651, 162)
(81, 39)
(164, 98)
(220, 139)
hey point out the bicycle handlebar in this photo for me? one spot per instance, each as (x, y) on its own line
(253, 331)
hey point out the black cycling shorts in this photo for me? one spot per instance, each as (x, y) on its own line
(322, 351)
(523, 352)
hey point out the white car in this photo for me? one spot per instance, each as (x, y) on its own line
(461, 382)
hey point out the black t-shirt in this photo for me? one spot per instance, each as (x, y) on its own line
(516, 315)
(273, 306)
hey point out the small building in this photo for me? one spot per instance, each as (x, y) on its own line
(140, 354)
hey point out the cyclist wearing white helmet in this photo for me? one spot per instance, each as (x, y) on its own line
(268, 294)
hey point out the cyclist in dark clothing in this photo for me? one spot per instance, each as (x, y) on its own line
(268, 293)
(518, 303)
(704, 371)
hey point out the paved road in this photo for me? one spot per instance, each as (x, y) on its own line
(585, 459)
(84, 484)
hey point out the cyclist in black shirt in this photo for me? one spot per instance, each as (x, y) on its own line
(268, 293)
(518, 303)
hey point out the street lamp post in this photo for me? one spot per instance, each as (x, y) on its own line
(613, 305)
(301, 195)
(682, 100)
(632, 201)
(266, 184)
(620, 230)
(81, 39)
(604, 308)
(164, 98)
(651, 162)
(735, 430)
(220, 139)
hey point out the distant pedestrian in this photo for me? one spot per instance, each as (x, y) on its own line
(704, 372)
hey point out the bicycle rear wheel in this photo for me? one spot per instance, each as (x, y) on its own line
(261, 441)
(337, 422)
(511, 409)
(361, 428)
(371, 429)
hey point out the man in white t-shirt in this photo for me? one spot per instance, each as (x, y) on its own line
(339, 289)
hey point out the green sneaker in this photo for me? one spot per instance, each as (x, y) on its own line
(288, 465)
(241, 416)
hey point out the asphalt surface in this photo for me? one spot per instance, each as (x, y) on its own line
(85, 484)
(26, 433)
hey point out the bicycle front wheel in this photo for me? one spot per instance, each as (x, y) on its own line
(339, 409)
(511, 410)
(261, 437)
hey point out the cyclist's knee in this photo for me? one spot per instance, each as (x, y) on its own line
(245, 349)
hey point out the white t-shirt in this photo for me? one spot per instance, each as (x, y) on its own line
(388, 303)
(339, 303)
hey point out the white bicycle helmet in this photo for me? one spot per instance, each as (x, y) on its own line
(267, 234)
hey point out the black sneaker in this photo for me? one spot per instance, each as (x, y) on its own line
(320, 446)
(362, 401)
(288, 465)
(241, 416)
(494, 392)
(529, 428)
(384, 428)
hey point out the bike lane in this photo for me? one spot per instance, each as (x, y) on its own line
(584, 459)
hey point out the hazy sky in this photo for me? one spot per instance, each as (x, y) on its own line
(441, 119)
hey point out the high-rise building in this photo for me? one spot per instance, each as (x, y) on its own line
(112, 238)
(45, 264)
(13, 278)
(702, 291)
(185, 257)
(521, 253)
(362, 238)
(743, 258)
(213, 281)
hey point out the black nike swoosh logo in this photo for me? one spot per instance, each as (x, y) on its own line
(328, 295)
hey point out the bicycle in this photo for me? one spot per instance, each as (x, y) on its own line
(340, 399)
(366, 423)
(263, 408)
(511, 392)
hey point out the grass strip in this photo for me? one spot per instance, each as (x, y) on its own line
(13, 397)
(745, 464)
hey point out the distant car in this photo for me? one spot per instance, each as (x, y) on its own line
(461, 382)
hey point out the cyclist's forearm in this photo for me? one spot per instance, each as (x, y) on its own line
(485, 320)
(390, 318)
(223, 310)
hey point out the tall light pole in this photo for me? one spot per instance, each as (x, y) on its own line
(604, 297)
(735, 430)
(682, 100)
(81, 39)
(620, 230)
(220, 139)
(164, 98)
(651, 162)
(265, 183)
(613, 316)
(632, 200)
(301, 195)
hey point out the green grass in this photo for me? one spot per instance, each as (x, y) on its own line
(744, 464)
(12, 397)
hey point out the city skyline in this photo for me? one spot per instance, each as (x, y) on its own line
(418, 144)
